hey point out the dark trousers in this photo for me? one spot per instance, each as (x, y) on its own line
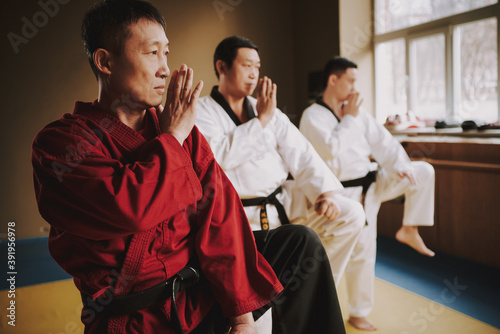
(309, 302)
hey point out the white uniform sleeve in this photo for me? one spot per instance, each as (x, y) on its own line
(329, 137)
(309, 171)
(232, 146)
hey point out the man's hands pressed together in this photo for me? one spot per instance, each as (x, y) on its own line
(352, 105)
(179, 114)
(266, 100)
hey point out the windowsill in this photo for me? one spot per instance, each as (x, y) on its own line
(449, 134)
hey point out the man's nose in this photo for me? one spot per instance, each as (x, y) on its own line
(164, 71)
(254, 73)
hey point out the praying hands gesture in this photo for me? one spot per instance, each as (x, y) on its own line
(179, 114)
(352, 105)
(266, 100)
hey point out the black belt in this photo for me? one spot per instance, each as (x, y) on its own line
(119, 305)
(364, 181)
(262, 202)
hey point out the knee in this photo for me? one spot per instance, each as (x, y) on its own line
(424, 170)
(301, 232)
(301, 235)
(357, 214)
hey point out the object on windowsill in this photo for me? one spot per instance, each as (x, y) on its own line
(447, 124)
(472, 125)
(490, 126)
(403, 123)
(469, 125)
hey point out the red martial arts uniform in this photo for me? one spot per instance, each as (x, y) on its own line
(130, 209)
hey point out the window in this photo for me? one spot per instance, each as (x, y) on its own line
(427, 76)
(437, 58)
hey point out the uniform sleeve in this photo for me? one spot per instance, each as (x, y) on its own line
(329, 137)
(81, 189)
(386, 150)
(231, 147)
(310, 172)
(241, 279)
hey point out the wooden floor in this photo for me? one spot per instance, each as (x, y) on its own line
(54, 308)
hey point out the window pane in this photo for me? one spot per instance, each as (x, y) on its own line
(476, 70)
(390, 79)
(427, 73)
(392, 15)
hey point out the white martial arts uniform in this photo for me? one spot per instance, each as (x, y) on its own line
(257, 161)
(346, 147)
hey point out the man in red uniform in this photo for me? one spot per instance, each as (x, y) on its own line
(133, 195)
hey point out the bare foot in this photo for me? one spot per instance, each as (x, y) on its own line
(362, 323)
(409, 235)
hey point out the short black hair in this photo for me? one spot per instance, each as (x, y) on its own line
(106, 23)
(228, 49)
(337, 65)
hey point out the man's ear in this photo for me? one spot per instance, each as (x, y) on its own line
(221, 66)
(332, 79)
(102, 61)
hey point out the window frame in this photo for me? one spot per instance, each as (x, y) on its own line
(444, 25)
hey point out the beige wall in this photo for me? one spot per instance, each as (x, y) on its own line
(316, 39)
(49, 73)
(356, 31)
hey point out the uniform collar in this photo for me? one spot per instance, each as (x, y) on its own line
(320, 101)
(109, 123)
(219, 98)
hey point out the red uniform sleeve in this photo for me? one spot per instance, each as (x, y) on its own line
(82, 187)
(240, 277)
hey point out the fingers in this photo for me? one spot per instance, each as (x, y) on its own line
(179, 82)
(359, 103)
(413, 179)
(274, 92)
(410, 176)
(196, 93)
(320, 208)
(326, 206)
(259, 87)
(327, 209)
(187, 84)
(354, 99)
(171, 84)
(336, 212)
(266, 88)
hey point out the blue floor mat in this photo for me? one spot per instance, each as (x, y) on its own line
(465, 286)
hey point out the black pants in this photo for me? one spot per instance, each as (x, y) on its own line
(309, 302)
